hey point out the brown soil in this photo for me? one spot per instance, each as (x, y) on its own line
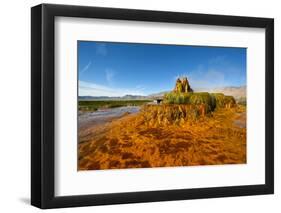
(131, 142)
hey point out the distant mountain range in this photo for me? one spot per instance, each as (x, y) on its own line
(125, 97)
(236, 92)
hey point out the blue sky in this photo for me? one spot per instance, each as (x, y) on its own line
(117, 69)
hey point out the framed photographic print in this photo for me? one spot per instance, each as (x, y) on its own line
(139, 106)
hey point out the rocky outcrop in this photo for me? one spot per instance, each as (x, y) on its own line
(182, 86)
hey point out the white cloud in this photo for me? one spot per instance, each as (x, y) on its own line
(86, 67)
(92, 89)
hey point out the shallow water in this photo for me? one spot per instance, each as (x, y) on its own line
(104, 115)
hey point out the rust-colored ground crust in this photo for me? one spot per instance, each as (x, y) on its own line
(131, 142)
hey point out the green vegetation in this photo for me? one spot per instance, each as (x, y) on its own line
(211, 101)
(219, 99)
(95, 105)
(179, 107)
(176, 98)
(203, 98)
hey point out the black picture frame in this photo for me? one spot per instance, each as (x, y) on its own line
(43, 111)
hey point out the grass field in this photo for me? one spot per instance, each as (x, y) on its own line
(98, 104)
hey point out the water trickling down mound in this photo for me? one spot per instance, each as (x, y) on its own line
(183, 104)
